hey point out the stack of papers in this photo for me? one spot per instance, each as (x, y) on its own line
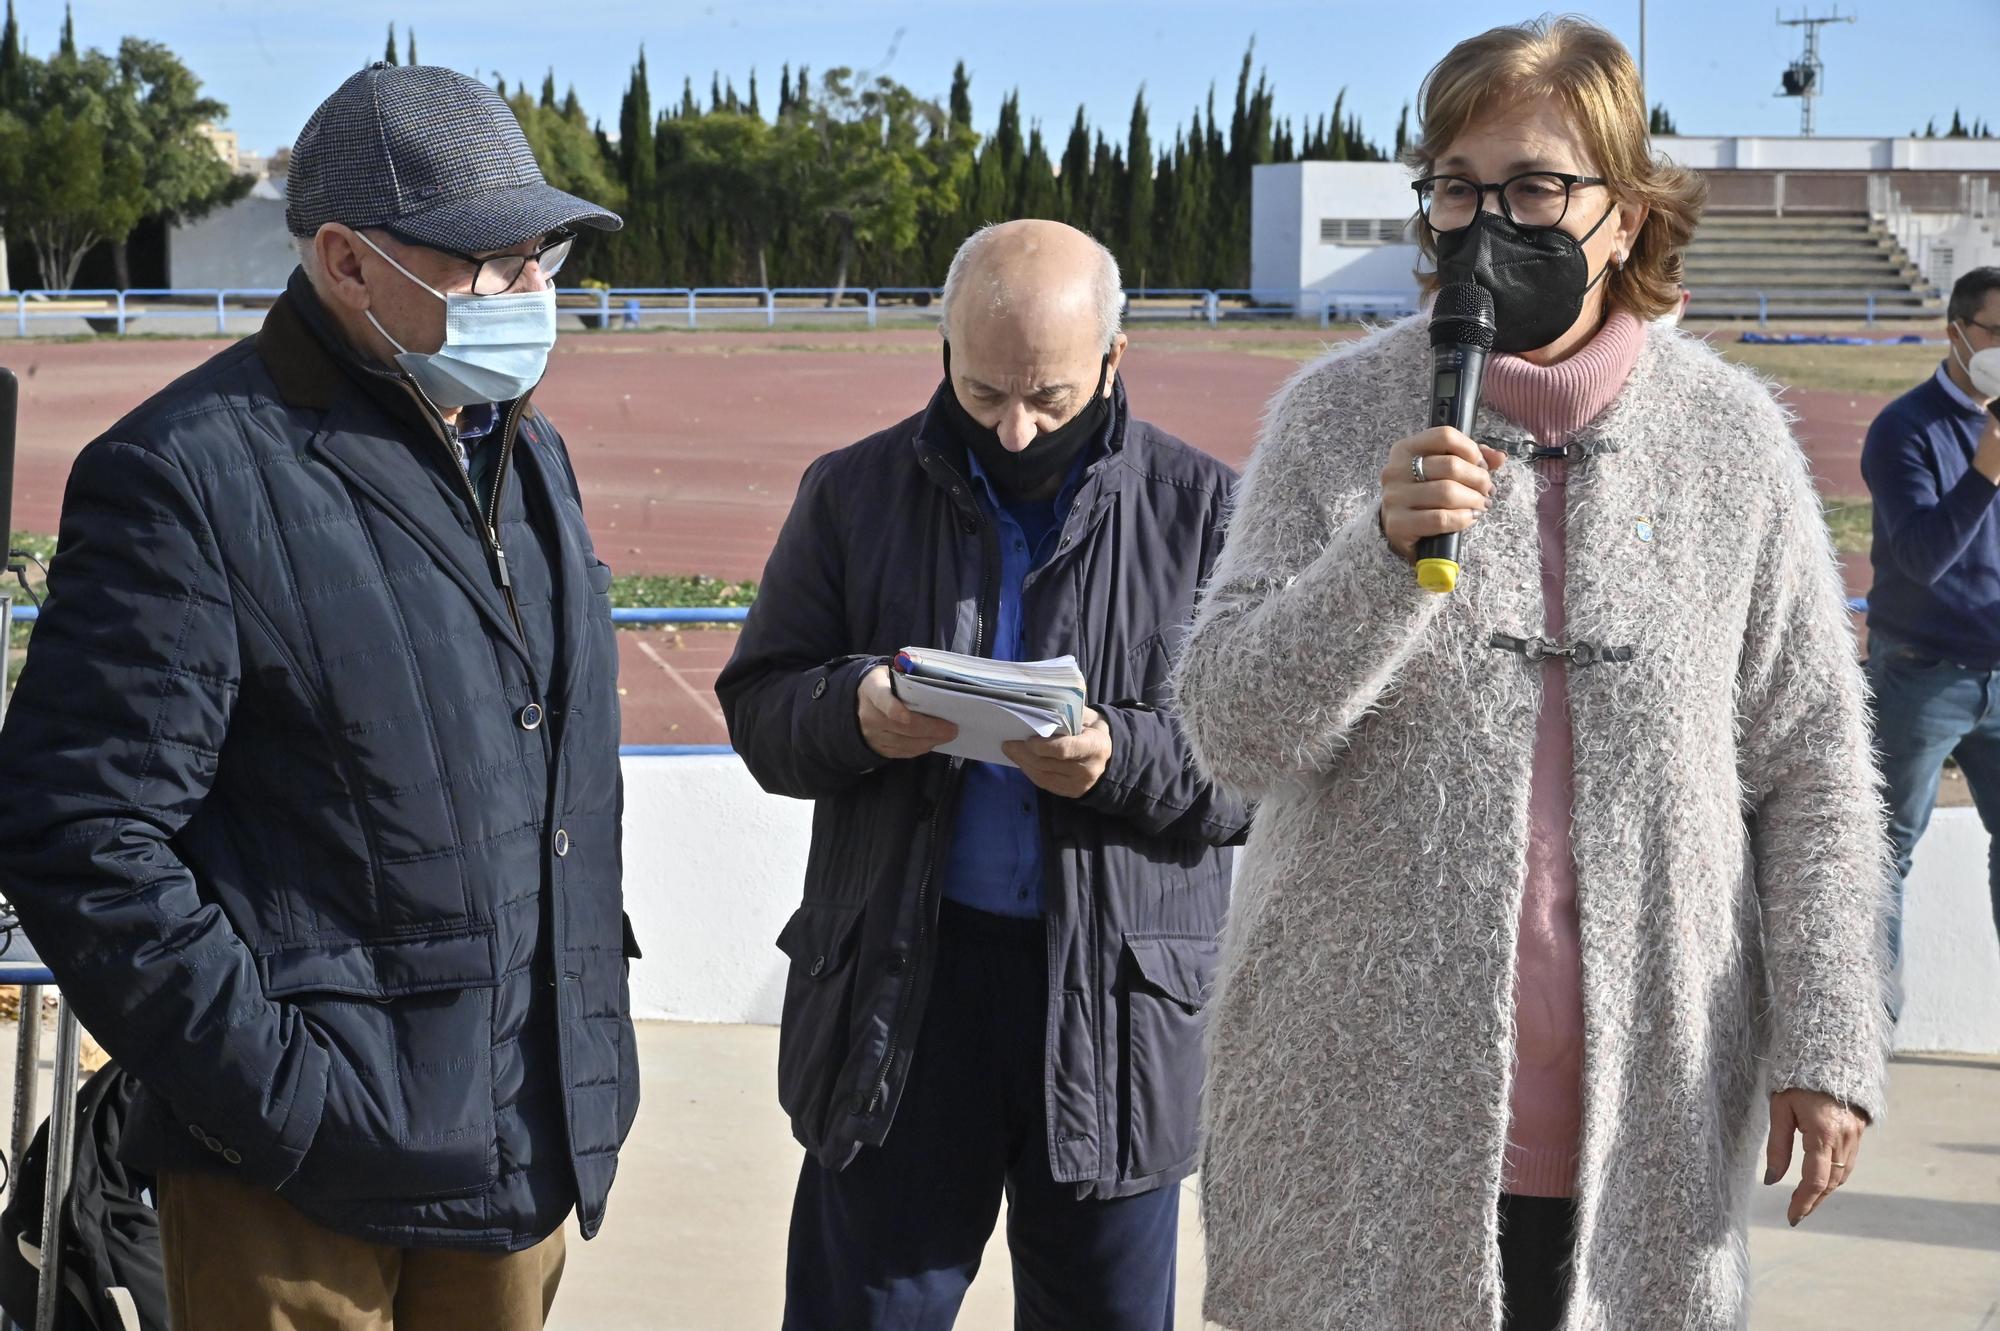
(991, 702)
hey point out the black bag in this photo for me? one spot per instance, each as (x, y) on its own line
(112, 1276)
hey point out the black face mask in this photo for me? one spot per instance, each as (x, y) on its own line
(1538, 277)
(1028, 472)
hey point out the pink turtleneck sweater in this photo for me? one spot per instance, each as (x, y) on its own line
(1554, 403)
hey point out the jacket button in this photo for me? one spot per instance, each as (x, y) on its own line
(819, 688)
(562, 842)
(194, 1131)
(819, 966)
(232, 1157)
(531, 716)
(212, 1144)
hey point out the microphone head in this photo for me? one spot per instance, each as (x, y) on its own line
(1462, 315)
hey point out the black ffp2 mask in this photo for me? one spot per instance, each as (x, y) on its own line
(1538, 276)
(1028, 472)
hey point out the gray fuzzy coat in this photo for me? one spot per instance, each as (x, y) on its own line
(1730, 865)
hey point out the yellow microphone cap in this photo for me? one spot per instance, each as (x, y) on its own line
(1437, 575)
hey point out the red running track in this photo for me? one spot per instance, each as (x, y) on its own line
(689, 446)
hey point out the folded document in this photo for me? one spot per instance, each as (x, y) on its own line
(991, 702)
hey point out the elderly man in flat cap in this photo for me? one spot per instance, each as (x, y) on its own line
(311, 791)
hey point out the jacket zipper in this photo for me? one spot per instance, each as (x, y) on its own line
(945, 797)
(488, 514)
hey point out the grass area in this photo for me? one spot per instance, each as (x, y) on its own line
(667, 592)
(1852, 523)
(1881, 370)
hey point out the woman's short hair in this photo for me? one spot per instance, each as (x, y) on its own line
(1590, 75)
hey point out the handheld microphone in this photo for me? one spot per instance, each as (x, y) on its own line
(1462, 332)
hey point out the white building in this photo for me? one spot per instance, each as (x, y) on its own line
(1334, 232)
(1337, 232)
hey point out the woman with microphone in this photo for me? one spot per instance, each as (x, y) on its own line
(1565, 902)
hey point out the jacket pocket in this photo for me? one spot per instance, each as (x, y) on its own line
(1167, 979)
(408, 1025)
(819, 994)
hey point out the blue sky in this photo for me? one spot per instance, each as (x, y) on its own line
(1714, 63)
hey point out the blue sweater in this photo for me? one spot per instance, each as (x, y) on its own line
(1937, 541)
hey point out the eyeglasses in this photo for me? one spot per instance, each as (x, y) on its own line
(1537, 199)
(1991, 330)
(497, 274)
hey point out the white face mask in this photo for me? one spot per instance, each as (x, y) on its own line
(1982, 367)
(495, 348)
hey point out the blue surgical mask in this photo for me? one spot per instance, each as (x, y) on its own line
(495, 347)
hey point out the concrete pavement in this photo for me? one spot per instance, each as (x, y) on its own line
(695, 1240)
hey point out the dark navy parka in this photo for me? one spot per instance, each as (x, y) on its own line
(310, 798)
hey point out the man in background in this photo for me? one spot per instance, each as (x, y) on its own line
(1932, 463)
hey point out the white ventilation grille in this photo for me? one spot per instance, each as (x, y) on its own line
(1361, 230)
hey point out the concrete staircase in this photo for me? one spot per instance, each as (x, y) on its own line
(1812, 265)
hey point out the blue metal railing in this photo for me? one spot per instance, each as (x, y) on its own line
(696, 307)
(114, 311)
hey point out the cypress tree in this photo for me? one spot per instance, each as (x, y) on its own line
(1075, 180)
(410, 47)
(1403, 132)
(961, 97)
(752, 107)
(1136, 235)
(784, 90)
(10, 59)
(1957, 130)
(715, 102)
(1336, 148)
(690, 108)
(1007, 135)
(389, 52)
(68, 46)
(548, 102)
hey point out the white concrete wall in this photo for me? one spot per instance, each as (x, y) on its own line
(243, 245)
(1276, 246)
(714, 868)
(1711, 153)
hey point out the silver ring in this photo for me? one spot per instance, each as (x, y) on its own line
(1417, 469)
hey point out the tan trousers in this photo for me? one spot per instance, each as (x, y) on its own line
(239, 1258)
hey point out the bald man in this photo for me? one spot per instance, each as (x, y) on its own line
(999, 972)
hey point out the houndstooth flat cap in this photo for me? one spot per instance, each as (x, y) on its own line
(432, 155)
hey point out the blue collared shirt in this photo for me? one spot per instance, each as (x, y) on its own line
(995, 863)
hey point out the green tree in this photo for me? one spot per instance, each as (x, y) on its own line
(1074, 179)
(867, 172)
(10, 59)
(1659, 122)
(68, 45)
(64, 183)
(158, 114)
(389, 51)
(410, 47)
(1134, 241)
(961, 90)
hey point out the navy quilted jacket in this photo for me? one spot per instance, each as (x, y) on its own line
(886, 547)
(309, 796)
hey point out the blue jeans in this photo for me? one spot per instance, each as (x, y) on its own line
(1926, 710)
